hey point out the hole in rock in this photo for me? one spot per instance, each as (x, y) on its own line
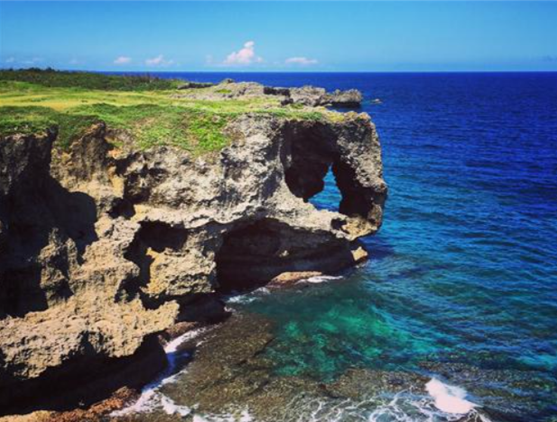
(330, 197)
(254, 254)
(152, 239)
(314, 169)
(309, 158)
(313, 152)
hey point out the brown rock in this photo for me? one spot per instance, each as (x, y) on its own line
(290, 278)
(103, 249)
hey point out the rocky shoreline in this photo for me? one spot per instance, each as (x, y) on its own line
(106, 248)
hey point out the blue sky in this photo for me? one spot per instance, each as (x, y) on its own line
(280, 36)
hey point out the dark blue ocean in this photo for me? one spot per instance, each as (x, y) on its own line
(462, 282)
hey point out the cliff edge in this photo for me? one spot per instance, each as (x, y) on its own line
(104, 244)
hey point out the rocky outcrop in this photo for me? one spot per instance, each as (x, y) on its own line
(307, 95)
(193, 85)
(312, 96)
(349, 99)
(104, 247)
(60, 270)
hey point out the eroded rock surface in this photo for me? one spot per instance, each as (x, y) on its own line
(104, 247)
(306, 95)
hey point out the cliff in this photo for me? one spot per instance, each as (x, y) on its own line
(105, 241)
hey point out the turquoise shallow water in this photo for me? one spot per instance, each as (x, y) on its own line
(464, 269)
(462, 280)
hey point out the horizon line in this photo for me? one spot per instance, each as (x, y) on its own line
(283, 71)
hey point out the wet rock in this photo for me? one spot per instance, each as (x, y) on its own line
(224, 367)
(349, 384)
(291, 278)
(230, 373)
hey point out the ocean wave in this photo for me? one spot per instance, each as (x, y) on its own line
(246, 298)
(443, 403)
(449, 398)
(151, 398)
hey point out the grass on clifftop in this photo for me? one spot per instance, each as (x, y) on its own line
(88, 80)
(148, 110)
(150, 125)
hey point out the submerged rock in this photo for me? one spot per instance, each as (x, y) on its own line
(376, 382)
(105, 247)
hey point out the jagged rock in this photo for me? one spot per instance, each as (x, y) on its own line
(309, 96)
(272, 90)
(350, 99)
(312, 96)
(103, 248)
(195, 85)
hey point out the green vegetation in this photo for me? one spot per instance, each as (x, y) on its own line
(152, 112)
(35, 119)
(88, 80)
(150, 125)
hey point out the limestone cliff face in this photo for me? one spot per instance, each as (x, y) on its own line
(102, 248)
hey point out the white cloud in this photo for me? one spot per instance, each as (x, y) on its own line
(75, 62)
(122, 60)
(34, 60)
(27, 62)
(159, 61)
(302, 61)
(243, 57)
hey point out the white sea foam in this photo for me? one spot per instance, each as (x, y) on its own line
(404, 406)
(444, 402)
(171, 408)
(320, 279)
(240, 299)
(248, 297)
(151, 398)
(448, 398)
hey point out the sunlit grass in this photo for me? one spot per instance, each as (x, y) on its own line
(151, 117)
